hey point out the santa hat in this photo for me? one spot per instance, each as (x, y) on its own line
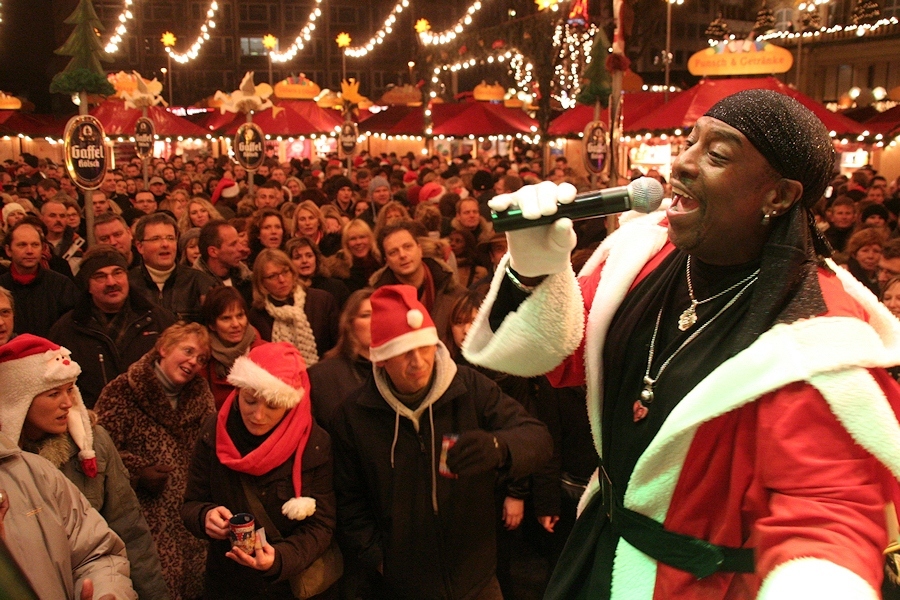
(431, 192)
(275, 372)
(410, 176)
(30, 365)
(400, 322)
(226, 188)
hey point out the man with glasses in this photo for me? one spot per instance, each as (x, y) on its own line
(110, 327)
(176, 287)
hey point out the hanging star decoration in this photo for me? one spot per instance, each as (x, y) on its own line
(423, 26)
(168, 39)
(545, 4)
(343, 39)
(269, 41)
(249, 98)
(137, 92)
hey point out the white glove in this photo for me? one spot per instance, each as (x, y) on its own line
(542, 250)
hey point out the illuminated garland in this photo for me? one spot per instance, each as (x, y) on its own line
(112, 45)
(432, 39)
(300, 41)
(378, 38)
(194, 50)
(574, 56)
(861, 30)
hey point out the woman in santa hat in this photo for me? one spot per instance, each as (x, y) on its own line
(41, 408)
(262, 454)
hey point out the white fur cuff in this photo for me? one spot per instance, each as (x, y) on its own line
(536, 338)
(814, 578)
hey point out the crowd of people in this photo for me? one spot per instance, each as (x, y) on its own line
(198, 297)
(402, 397)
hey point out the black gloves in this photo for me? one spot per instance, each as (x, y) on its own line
(477, 451)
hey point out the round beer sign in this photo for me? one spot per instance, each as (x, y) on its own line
(144, 137)
(596, 147)
(249, 146)
(349, 135)
(85, 151)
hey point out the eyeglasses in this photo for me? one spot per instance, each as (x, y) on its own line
(191, 352)
(160, 238)
(282, 273)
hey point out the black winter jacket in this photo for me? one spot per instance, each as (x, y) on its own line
(385, 511)
(182, 292)
(42, 302)
(100, 357)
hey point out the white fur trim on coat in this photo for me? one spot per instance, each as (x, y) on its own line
(814, 578)
(551, 319)
(298, 509)
(417, 338)
(247, 374)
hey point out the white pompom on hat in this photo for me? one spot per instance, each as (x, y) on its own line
(400, 322)
(29, 366)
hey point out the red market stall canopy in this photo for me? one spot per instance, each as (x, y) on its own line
(886, 122)
(396, 120)
(634, 106)
(683, 111)
(117, 119)
(289, 118)
(14, 122)
(480, 119)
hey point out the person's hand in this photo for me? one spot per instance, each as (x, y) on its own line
(476, 451)
(153, 478)
(513, 511)
(548, 522)
(542, 250)
(332, 227)
(87, 592)
(216, 523)
(263, 556)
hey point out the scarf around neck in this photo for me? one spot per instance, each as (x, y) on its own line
(292, 326)
(226, 355)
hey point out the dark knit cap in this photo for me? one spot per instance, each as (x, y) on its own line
(875, 209)
(786, 133)
(334, 184)
(482, 180)
(99, 257)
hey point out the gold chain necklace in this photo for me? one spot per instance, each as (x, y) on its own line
(689, 317)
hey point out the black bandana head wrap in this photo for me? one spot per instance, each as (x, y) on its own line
(789, 135)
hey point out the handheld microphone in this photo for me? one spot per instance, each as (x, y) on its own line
(643, 195)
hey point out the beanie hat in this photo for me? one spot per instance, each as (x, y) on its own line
(226, 188)
(378, 182)
(30, 365)
(12, 207)
(400, 322)
(275, 372)
(191, 234)
(334, 184)
(431, 191)
(875, 209)
(100, 256)
(789, 135)
(482, 181)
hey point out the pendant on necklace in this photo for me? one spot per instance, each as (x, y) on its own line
(640, 407)
(688, 318)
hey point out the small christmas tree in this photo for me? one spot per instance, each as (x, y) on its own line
(810, 20)
(718, 29)
(596, 83)
(866, 12)
(84, 73)
(765, 20)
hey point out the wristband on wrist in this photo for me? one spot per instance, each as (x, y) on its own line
(515, 281)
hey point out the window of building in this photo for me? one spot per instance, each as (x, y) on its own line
(344, 15)
(257, 13)
(890, 8)
(784, 18)
(253, 46)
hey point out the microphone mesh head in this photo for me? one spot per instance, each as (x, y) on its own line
(646, 194)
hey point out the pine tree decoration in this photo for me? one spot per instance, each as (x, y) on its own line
(810, 20)
(596, 82)
(765, 20)
(866, 12)
(718, 29)
(84, 73)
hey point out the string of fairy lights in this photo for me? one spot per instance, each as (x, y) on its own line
(300, 41)
(386, 29)
(438, 39)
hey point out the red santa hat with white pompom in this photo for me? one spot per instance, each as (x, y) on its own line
(402, 322)
(29, 366)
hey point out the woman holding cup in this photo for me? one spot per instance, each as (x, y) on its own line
(262, 455)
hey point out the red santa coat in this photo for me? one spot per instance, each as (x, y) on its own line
(791, 447)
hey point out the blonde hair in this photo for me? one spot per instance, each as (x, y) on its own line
(178, 332)
(184, 222)
(310, 207)
(269, 255)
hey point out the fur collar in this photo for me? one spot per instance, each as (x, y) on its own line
(58, 449)
(195, 401)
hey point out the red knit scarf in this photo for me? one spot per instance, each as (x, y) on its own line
(21, 278)
(289, 437)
